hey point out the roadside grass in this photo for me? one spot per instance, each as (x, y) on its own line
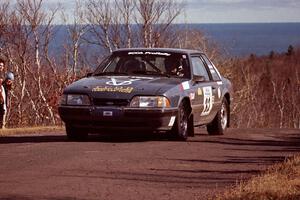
(279, 182)
(31, 130)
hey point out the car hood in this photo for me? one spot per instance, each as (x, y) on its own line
(122, 87)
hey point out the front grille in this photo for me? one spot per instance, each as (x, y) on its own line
(111, 102)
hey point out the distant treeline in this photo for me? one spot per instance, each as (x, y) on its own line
(267, 89)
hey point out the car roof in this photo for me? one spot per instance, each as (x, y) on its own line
(167, 50)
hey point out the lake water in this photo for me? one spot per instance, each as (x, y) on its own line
(236, 39)
(256, 38)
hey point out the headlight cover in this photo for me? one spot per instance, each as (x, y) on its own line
(75, 100)
(150, 102)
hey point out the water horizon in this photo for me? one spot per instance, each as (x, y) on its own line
(238, 39)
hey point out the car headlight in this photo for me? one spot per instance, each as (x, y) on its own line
(75, 100)
(150, 102)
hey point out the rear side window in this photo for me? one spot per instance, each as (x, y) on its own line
(199, 68)
(212, 69)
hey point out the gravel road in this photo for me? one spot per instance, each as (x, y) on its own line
(47, 166)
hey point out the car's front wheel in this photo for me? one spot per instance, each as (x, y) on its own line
(220, 122)
(75, 134)
(183, 126)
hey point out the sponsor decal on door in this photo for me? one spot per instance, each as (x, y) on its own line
(207, 101)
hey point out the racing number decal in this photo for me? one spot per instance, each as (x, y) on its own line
(207, 100)
(207, 105)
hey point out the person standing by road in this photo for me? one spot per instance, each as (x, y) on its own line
(5, 86)
(2, 94)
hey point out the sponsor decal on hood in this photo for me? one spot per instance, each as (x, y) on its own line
(119, 89)
(116, 82)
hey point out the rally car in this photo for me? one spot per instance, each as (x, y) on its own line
(149, 89)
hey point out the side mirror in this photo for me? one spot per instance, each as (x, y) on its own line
(198, 78)
(89, 74)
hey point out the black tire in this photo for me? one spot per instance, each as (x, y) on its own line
(220, 122)
(75, 134)
(191, 132)
(182, 127)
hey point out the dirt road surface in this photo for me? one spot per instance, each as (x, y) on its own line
(47, 166)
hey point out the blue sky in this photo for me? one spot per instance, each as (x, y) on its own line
(224, 11)
(230, 11)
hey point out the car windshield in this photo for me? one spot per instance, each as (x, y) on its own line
(145, 63)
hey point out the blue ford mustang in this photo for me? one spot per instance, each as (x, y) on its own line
(157, 89)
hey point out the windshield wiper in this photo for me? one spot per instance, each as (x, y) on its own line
(110, 73)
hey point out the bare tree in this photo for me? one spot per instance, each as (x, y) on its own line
(38, 23)
(15, 47)
(4, 10)
(76, 31)
(154, 18)
(99, 16)
(128, 23)
(126, 8)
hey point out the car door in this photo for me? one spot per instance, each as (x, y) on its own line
(204, 93)
(217, 86)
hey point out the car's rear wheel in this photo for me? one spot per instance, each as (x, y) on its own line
(183, 126)
(220, 122)
(75, 133)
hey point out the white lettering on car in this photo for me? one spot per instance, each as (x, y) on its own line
(149, 53)
(207, 100)
(116, 82)
(135, 53)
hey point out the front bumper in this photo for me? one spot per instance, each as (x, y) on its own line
(95, 118)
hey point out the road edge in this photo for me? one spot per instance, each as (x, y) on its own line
(279, 181)
(31, 130)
